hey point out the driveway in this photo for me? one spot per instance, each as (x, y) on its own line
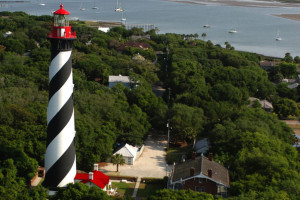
(151, 163)
(295, 125)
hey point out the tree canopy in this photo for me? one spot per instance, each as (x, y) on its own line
(208, 90)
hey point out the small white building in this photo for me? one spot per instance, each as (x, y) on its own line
(8, 33)
(293, 85)
(124, 80)
(129, 153)
(103, 29)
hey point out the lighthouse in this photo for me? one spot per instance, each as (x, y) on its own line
(60, 158)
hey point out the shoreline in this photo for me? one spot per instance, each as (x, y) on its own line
(254, 3)
(295, 17)
(249, 3)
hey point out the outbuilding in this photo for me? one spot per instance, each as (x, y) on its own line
(129, 153)
(94, 178)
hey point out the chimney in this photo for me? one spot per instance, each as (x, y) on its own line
(96, 167)
(194, 155)
(209, 172)
(192, 171)
(210, 156)
(91, 174)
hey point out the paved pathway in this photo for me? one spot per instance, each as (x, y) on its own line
(136, 187)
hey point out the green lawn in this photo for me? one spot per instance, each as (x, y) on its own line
(149, 189)
(125, 189)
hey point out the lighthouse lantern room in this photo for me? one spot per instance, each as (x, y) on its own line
(61, 25)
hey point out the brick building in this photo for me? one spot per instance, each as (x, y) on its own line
(200, 174)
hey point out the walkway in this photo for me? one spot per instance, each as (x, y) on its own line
(136, 187)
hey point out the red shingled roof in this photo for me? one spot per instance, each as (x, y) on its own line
(99, 178)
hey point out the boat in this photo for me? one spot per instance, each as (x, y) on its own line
(118, 7)
(123, 19)
(232, 31)
(82, 8)
(119, 10)
(278, 38)
(42, 4)
(95, 7)
(206, 26)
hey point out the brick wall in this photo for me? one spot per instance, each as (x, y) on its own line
(207, 185)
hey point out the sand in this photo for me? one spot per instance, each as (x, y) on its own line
(295, 17)
(254, 3)
(245, 3)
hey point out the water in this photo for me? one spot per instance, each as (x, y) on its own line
(256, 27)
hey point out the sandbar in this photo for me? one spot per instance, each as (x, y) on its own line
(295, 17)
(244, 3)
(247, 3)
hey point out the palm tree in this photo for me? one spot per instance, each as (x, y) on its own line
(190, 133)
(117, 160)
(203, 35)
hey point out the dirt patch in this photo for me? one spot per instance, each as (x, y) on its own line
(102, 164)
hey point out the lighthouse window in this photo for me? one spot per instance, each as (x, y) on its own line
(61, 20)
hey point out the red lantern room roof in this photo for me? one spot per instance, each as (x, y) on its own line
(62, 11)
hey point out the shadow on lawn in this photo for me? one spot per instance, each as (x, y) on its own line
(124, 189)
(148, 189)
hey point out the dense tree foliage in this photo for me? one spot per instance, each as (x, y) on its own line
(187, 122)
(166, 194)
(80, 191)
(251, 142)
(208, 88)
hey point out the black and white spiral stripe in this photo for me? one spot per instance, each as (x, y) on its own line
(60, 159)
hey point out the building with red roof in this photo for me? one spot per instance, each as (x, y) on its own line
(94, 178)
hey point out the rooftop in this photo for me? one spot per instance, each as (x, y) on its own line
(120, 79)
(99, 178)
(202, 165)
(127, 151)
